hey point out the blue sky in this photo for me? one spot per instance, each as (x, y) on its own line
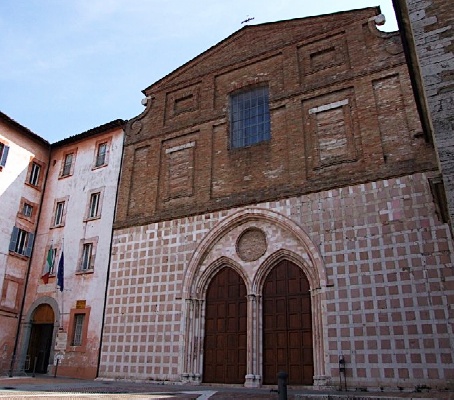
(69, 66)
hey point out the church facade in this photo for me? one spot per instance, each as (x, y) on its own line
(277, 211)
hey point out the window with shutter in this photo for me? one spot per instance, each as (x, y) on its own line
(21, 242)
(4, 149)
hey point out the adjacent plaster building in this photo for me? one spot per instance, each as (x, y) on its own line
(275, 213)
(23, 165)
(58, 205)
(63, 310)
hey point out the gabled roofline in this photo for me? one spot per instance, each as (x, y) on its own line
(250, 27)
(117, 123)
(16, 125)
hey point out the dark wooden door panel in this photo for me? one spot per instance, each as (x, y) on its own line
(39, 347)
(287, 325)
(225, 329)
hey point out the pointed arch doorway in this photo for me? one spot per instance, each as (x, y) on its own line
(40, 342)
(225, 329)
(287, 325)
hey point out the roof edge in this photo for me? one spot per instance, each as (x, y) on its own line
(23, 129)
(248, 27)
(117, 123)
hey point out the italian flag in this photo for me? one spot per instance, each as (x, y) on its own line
(49, 262)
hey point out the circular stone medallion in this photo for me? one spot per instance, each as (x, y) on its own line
(251, 244)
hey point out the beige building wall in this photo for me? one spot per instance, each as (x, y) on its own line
(78, 212)
(19, 149)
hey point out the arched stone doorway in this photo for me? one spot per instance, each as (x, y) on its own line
(225, 343)
(220, 248)
(41, 334)
(287, 325)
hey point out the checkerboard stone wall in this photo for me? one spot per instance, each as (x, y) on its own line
(389, 290)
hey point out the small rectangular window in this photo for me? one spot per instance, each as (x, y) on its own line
(79, 320)
(34, 174)
(94, 205)
(27, 210)
(3, 154)
(59, 210)
(67, 164)
(249, 118)
(21, 242)
(101, 154)
(86, 257)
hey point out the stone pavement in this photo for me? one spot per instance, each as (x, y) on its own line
(44, 387)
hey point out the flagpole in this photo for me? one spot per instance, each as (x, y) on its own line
(62, 307)
(60, 280)
(62, 290)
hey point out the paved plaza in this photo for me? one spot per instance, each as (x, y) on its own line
(44, 387)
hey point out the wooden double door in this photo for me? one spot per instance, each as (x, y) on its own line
(286, 320)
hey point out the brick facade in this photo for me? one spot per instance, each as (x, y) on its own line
(177, 159)
(341, 190)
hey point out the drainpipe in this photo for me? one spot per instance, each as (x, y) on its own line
(27, 275)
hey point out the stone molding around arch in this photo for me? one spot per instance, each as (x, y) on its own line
(27, 324)
(241, 217)
(274, 259)
(213, 268)
(43, 300)
(196, 281)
